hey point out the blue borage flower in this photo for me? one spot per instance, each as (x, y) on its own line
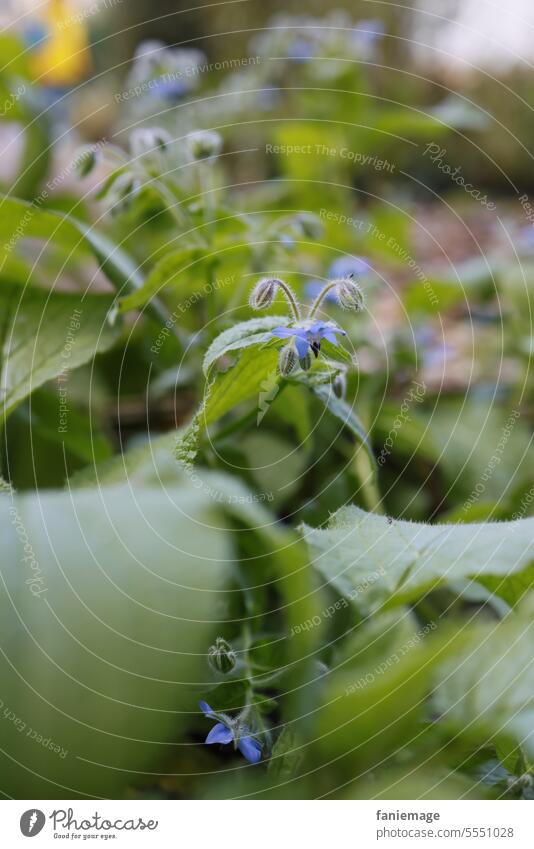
(309, 335)
(228, 730)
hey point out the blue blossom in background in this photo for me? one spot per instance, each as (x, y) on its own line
(287, 241)
(169, 89)
(368, 32)
(309, 335)
(300, 50)
(347, 265)
(315, 287)
(228, 730)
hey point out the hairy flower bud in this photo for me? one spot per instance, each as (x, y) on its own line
(263, 293)
(204, 144)
(349, 294)
(145, 140)
(306, 361)
(287, 360)
(124, 189)
(85, 160)
(221, 657)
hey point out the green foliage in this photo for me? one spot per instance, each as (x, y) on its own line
(101, 623)
(45, 336)
(383, 562)
(175, 476)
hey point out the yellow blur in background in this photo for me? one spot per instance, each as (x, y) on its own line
(63, 57)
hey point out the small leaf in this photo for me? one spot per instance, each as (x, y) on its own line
(226, 391)
(257, 331)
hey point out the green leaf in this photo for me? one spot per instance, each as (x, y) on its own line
(46, 335)
(275, 464)
(81, 436)
(286, 756)
(377, 561)
(239, 383)
(254, 369)
(118, 267)
(371, 707)
(107, 602)
(179, 266)
(257, 331)
(20, 220)
(487, 688)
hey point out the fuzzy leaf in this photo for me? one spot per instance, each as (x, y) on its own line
(243, 335)
(376, 561)
(226, 391)
(103, 622)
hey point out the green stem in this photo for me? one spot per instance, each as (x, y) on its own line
(320, 297)
(292, 301)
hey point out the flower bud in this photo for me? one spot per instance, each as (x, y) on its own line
(221, 657)
(287, 359)
(263, 293)
(124, 189)
(149, 140)
(309, 225)
(85, 160)
(204, 144)
(306, 361)
(349, 294)
(339, 385)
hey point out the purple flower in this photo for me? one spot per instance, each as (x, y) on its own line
(229, 730)
(309, 335)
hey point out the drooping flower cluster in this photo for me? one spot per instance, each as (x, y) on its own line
(306, 334)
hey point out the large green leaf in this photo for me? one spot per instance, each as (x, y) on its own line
(107, 598)
(375, 560)
(487, 689)
(20, 220)
(373, 701)
(150, 464)
(45, 336)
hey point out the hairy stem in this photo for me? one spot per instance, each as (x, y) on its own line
(290, 297)
(317, 302)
